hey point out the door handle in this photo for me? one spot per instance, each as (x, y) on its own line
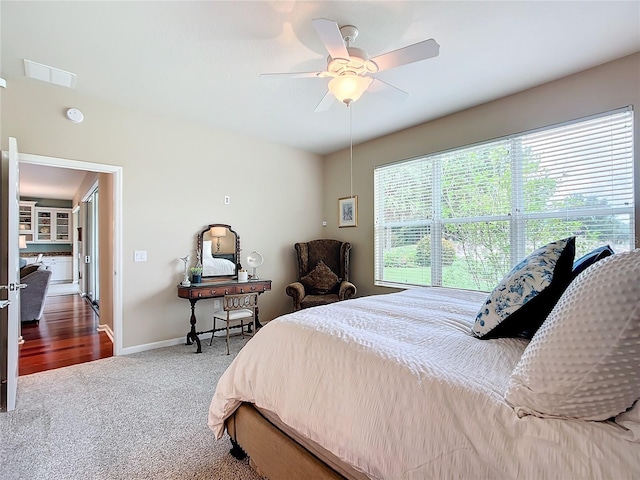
(13, 286)
(4, 303)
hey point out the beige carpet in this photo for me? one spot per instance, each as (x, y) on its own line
(141, 416)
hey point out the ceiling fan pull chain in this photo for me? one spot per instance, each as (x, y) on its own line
(350, 149)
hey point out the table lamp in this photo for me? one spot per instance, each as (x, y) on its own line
(217, 232)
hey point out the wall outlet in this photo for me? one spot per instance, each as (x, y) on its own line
(227, 200)
(140, 256)
(324, 223)
(217, 304)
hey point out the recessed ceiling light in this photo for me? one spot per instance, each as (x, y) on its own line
(49, 74)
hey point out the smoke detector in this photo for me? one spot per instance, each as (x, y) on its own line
(75, 115)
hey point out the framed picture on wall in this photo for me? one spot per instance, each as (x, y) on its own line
(348, 211)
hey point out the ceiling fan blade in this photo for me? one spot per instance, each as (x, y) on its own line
(325, 103)
(292, 75)
(330, 35)
(409, 54)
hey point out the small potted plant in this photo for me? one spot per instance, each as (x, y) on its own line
(196, 274)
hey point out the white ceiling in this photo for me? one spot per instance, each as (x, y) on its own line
(201, 60)
(41, 181)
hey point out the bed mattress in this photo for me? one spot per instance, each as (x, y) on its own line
(397, 387)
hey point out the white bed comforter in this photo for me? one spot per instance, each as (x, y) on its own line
(397, 386)
(217, 266)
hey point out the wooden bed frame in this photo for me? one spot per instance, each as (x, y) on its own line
(274, 454)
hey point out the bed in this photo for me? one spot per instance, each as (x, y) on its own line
(217, 265)
(397, 386)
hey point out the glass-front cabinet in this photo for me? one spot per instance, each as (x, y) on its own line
(26, 212)
(53, 225)
(63, 226)
(43, 225)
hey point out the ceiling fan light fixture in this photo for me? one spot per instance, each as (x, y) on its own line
(349, 88)
(357, 63)
(352, 62)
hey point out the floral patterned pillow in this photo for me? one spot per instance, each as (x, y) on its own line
(523, 299)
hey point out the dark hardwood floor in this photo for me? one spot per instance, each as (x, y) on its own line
(65, 336)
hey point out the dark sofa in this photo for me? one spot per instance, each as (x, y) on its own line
(37, 277)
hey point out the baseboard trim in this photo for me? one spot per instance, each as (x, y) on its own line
(164, 343)
(106, 329)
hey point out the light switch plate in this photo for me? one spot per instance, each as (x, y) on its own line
(140, 256)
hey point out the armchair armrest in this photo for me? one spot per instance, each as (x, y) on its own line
(347, 290)
(296, 291)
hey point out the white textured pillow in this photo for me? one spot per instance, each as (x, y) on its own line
(584, 361)
(631, 421)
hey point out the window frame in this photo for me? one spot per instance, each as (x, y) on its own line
(517, 217)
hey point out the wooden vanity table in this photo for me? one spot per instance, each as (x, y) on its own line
(218, 252)
(217, 289)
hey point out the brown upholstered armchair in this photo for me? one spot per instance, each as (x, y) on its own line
(323, 274)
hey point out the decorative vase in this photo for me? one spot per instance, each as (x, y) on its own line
(196, 278)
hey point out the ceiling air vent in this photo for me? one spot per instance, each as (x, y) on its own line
(49, 74)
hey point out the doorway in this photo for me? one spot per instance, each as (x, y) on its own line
(110, 265)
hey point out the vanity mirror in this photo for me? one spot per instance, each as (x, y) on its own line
(219, 251)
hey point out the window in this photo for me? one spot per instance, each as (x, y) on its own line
(463, 218)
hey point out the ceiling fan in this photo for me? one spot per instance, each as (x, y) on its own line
(351, 70)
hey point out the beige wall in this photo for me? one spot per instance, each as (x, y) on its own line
(105, 247)
(105, 243)
(603, 88)
(175, 175)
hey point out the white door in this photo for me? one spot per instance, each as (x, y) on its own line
(9, 277)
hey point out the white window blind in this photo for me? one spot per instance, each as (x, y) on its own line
(463, 218)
